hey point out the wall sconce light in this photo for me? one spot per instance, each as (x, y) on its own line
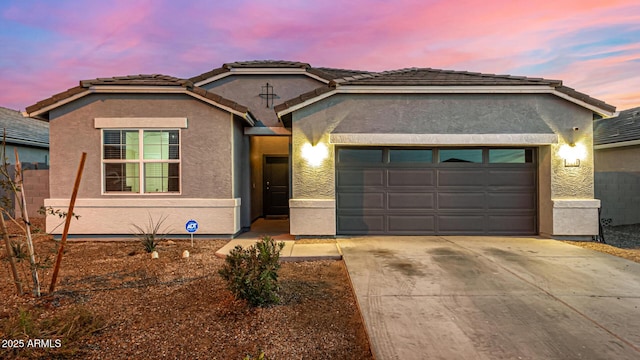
(314, 154)
(572, 154)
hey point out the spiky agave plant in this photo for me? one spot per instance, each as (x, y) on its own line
(152, 234)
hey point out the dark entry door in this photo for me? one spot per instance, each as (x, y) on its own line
(276, 186)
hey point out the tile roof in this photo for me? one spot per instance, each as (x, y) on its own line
(437, 77)
(331, 73)
(624, 127)
(22, 130)
(325, 73)
(155, 80)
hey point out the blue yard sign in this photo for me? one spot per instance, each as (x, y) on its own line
(191, 226)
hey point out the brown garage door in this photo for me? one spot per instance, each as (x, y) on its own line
(436, 191)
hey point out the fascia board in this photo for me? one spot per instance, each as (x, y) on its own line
(358, 89)
(57, 104)
(305, 103)
(533, 89)
(617, 144)
(579, 102)
(245, 116)
(261, 71)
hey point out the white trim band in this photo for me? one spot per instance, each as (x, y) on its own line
(139, 122)
(444, 139)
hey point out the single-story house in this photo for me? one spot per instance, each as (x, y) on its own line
(617, 167)
(341, 152)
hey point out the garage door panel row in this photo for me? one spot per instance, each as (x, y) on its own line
(429, 224)
(516, 178)
(381, 224)
(485, 196)
(445, 201)
(371, 201)
(411, 177)
(360, 177)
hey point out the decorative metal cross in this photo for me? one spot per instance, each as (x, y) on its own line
(267, 93)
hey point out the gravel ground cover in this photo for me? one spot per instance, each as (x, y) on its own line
(113, 301)
(621, 240)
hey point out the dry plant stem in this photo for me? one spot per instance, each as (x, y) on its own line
(67, 222)
(12, 259)
(25, 216)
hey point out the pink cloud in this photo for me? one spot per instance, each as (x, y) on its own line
(92, 39)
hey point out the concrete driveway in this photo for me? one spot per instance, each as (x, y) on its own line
(493, 298)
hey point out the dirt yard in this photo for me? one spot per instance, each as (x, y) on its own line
(113, 301)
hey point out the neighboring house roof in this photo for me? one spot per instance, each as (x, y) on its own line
(435, 80)
(21, 130)
(136, 83)
(621, 130)
(251, 67)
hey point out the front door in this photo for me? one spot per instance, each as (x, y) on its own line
(276, 186)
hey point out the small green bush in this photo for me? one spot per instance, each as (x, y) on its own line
(252, 273)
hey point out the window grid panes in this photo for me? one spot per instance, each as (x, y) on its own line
(147, 160)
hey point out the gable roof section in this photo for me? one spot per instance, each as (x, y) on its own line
(22, 130)
(622, 130)
(272, 67)
(154, 83)
(428, 80)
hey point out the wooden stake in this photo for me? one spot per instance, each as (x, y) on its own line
(10, 254)
(25, 217)
(67, 222)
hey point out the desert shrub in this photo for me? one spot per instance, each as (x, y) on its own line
(151, 235)
(252, 273)
(259, 356)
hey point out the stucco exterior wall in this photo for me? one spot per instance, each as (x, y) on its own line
(454, 114)
(204, 174)
(617, 184)
(207, 163)
(246, 89)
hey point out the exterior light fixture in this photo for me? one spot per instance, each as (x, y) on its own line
(315, 154)
(572, 154)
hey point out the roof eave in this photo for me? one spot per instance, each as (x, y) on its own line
(107, 89)
(606, 110)
(261, 71)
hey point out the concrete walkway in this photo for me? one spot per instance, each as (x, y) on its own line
(292, 250)
(493, 298)
(278, 229)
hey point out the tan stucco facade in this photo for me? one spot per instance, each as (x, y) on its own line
(228, 126)
(211, 157)
(566, 194)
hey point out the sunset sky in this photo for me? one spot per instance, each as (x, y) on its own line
(48, 46)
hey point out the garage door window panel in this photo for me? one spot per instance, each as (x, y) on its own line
(470, 156)
(360, 155)
(510, 156)
(420, 156)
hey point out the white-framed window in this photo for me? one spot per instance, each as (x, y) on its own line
(141, 161)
